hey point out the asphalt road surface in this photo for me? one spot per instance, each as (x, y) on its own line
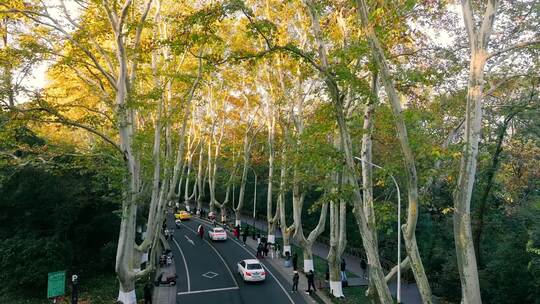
(207, 271)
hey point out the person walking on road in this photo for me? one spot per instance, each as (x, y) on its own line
(265, 248)
(295, 261)
(245, 235)
(344, 280)
(295, 279)
(200, 230)
(236, 232)
(363, 265)
(310, 282)
(260, 249)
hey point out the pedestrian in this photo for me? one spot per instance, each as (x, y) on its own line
(236, 232)
(327, 274)
(287, 262)
(260, 249)
(295, 279)
(266, 249)
(272, 250)
(278, 250)
(363, 265)
(245, 235)
(200, 230)
(310, 281)
(343, 272)
(295, 261)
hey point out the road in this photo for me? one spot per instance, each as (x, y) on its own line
(207, 271)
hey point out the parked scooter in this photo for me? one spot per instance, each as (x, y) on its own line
(166, 279)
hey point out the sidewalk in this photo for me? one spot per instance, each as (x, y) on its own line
(409, 292)
(164, 294)
(287, 272)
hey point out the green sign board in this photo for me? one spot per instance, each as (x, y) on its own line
(56, 284)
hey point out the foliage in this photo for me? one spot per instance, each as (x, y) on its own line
(56, 214)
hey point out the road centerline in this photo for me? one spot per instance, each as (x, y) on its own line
(251, 254)
(218, 254)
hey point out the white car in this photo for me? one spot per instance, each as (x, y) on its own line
(217, 234)
(251, 271)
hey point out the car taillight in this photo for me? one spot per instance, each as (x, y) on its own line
(263, 273)
(248, 274)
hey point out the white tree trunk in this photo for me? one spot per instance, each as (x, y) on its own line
(286, 230)
(241, 195)
(156, 152)
(338, 233)
(408, 156)
(270, 217)
(200, 183)
(466, 258)
(126, 239)
(368, 239)
(179, 162)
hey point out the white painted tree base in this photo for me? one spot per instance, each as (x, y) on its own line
(237, 223)
(144, 258)
(271, 238)
(336, 289)
(127, 297)
(308, 265)
(286, 248)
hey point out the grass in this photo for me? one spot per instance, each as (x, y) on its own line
(353, 295)
(319, 263)
(101, 289)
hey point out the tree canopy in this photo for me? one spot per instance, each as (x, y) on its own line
(311, 107)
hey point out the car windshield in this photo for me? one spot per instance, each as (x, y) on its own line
(254, 266)
(218, 230)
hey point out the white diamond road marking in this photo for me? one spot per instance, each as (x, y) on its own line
(210, 275)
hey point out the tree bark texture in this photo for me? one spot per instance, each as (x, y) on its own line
(466, 257)
(368, 241)
(409, 229)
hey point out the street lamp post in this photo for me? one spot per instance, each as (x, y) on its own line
(398, 293)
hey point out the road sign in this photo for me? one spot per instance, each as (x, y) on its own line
(56, 284)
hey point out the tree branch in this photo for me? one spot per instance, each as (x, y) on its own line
(513, 47)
